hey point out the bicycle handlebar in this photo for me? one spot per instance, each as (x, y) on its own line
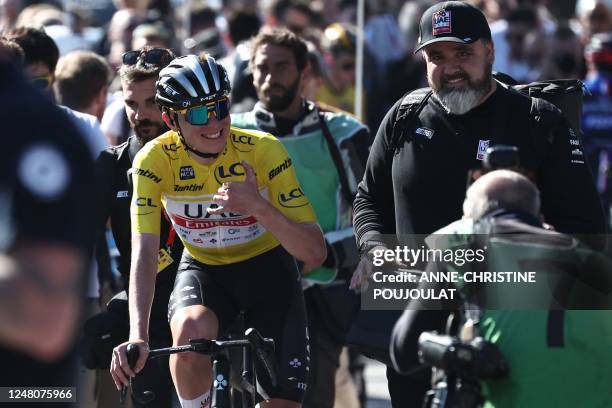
(263, 348)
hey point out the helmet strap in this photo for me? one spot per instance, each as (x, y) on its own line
(189, 148)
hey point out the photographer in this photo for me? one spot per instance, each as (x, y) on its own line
(552, 355)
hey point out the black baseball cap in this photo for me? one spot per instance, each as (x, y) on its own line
(453, 21)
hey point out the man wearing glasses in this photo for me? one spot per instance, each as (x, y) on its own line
(234, 201)
(41, 56)
(138, 73)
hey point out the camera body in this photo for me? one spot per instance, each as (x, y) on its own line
(458, 368)
(498, 157)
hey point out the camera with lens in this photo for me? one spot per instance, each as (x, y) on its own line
(498, 157)
(458, 368)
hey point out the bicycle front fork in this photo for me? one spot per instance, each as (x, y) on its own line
(220, 391)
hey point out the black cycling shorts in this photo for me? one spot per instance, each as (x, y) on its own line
(268, 288)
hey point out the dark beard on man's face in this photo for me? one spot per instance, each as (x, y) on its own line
(154, 129)
(280, 103)
(459, 101)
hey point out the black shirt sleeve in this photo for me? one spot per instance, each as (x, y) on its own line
(373, 207)
(104, 168)
(570, 201)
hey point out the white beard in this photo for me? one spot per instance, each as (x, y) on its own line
(460, 101)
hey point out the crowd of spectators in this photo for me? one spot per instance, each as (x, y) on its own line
(536, 39)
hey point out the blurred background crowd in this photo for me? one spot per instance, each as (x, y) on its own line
(534, 39)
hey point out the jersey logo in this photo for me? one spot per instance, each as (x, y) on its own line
(199, 211)
(191, 187)
(122, 194)
(483, 145)
(148, 174)
(428, 133)
(279, 169)
(222, 173)
(187, 173)
(441, 22)
(145, 202)
(242, 143)
(293, 199)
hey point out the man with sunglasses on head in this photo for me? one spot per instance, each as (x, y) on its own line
(242, 216)
(138, 74)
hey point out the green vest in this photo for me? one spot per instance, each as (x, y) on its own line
(562, 364)
(314, 165)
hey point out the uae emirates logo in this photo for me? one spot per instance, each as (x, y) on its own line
(441, 22)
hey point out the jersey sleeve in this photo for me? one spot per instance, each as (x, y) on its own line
(149, 175)
(284, 190)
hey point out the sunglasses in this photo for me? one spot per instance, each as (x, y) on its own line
(42, 82)
(199, 115)
(154, 56)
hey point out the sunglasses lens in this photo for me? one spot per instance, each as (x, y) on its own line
(130, 57)
(198, 115)
(222, 109)
(155, 55)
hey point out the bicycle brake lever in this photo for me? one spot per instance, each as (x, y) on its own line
(147, 396)
(262, 353)
(132, 356)
(123, 394)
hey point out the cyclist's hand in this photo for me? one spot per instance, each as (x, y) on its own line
(238, 196)
(120, 369)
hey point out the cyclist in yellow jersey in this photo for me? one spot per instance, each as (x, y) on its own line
(234, 200)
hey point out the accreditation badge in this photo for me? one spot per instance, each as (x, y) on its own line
(163, 259)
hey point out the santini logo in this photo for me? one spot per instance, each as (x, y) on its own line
(191, 187)
(279, 169)
(148, 174)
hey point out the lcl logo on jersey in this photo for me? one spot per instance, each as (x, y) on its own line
(293, 199)
(224, 173)
(242, 143)
(145, 202)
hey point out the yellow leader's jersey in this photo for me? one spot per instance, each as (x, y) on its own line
(164, 174)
